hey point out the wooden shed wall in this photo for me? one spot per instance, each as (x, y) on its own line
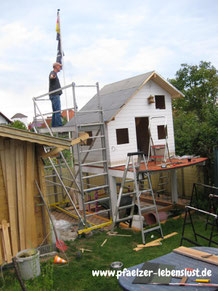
(20, 166)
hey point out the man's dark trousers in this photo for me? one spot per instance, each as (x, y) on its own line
(56, 106)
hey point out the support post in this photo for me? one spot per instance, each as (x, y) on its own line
(174, 190)
(113, 188)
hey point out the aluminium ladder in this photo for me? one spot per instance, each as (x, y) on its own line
(158, 151)
(97, 145)
(141, 176)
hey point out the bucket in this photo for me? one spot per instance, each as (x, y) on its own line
(28, 263)
(136, 222)
(151, 218)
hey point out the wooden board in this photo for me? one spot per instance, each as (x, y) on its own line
(154, 242)
(6, 242)
(44, 228)
(20, 193)
(32, 137)
(3, 196)
(11, 199)
(30, 223)
(198, 255)
(1, 258)
(22, 153)
(2, 156)
(14, 182)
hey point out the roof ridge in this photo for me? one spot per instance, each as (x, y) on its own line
(130, 78)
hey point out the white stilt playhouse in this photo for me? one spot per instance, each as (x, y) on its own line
(128, 106)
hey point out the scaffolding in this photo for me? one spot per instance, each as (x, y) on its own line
(68, 176)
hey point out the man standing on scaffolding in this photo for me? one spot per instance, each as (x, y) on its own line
(54, 84)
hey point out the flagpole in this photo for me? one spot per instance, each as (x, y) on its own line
(65, 92)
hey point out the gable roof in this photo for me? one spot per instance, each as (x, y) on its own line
(114, 96)
(18, 115)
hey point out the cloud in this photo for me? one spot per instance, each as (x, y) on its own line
(127, 20)
(103, 41)
(15, 35)
(7, 68)
(148, 58)
(14, 100)
(101, 52)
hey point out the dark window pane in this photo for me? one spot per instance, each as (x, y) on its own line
(122, 135)
(160, 101)
(161, 131)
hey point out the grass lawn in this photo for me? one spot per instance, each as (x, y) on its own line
(77, 274)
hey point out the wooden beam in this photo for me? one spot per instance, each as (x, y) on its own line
(32, 137)
(82, 137)
(52, 153)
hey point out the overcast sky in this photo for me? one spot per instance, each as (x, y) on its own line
(103, 40)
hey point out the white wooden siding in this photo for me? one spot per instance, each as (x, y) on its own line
(138, 107)
(3, 120)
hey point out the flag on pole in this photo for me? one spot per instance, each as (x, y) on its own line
(59, 48)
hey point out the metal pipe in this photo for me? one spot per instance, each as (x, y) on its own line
(202, 211)
(49, 129)
(51, 92)
(78, 151)
(66, 191)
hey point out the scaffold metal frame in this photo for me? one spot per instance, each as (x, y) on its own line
(78, 177)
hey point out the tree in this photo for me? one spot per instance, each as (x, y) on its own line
(18, 124)
(196, 115)
(199, 84)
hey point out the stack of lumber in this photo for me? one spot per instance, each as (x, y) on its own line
(154, 243)
(20, 166)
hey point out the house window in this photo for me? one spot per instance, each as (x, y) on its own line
(161, 131)
(160, 102)
(122, 135)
